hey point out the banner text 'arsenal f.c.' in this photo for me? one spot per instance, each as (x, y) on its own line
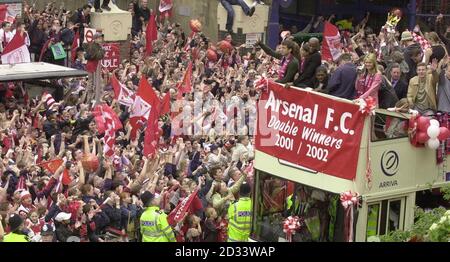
(310, 130)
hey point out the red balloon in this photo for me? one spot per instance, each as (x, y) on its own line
(423, 123)
(211, 55)
(195, 25)
(412, 122)
(422, 137)
(90, 162)
(444, 133)
(224, 46)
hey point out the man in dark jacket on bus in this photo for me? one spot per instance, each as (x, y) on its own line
(342, 81)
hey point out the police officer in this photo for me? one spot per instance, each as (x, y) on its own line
(240, 216)
(16, 225)
(153, 222)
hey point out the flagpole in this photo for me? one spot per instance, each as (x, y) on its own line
(97, 84)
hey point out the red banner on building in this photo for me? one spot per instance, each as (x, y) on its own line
(310, 130)
(111, 60)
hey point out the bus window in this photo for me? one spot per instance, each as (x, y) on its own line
(394, 215)
(387, 127)
(373, 213)
(277, 198)
(385, 216)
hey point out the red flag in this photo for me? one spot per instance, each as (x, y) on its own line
(165, 105)
(75, 45)
(53, 165)
(182, 208)
(16, 51)
(165, 5)
(331, 44)
(152, 135)
(103, 112)
(151, 34)
(145, 100)
(185, 86)
(3, 12)
(165, 9)
(122, 94)
(5, 15)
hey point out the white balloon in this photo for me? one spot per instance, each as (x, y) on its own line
(433, 144)
(433, 131)
(434, 122)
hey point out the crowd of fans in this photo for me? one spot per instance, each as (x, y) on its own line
(106, 203)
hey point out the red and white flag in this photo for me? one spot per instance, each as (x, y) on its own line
(16, 51)
(331, 44)
(6, 16)
(165, 9)
(122, 94)
(49, 100)
(145, 101)
(107, 122)
(186, 85)
(52, 166)
(103, 112)
(424, 44)
(182, 208)
(165, 5)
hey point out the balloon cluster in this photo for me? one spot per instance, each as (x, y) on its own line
(261, 83)
(429, 132)
(290, 226)
(349, 198)
(367, 105)
(222, 46)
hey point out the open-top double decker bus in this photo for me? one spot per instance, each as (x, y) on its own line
(326, 146)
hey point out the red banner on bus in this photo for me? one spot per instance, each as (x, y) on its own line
(111, 59)
(310, 130)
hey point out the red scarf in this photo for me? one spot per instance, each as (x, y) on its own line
(364, 84)
(284, 65)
